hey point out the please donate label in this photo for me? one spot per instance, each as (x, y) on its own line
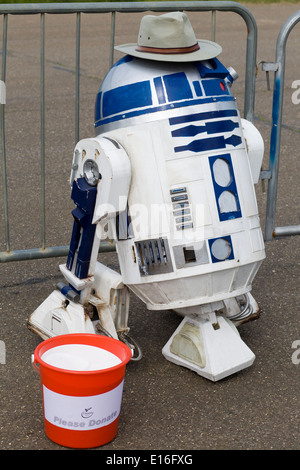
(82, 413)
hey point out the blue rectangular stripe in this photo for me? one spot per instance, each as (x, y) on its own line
(127, 97)
(212, 127)
(177, 86)
(212, 87)
(197, 88)
(203, 116)
(159, 90)
(211, 143)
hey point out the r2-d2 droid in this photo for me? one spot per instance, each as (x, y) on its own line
(170, 175)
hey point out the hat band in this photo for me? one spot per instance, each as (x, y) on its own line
(160, 50)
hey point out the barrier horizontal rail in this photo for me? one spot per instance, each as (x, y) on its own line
(48, 252)
(92, 8)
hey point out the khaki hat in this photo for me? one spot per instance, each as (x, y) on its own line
(170, 38)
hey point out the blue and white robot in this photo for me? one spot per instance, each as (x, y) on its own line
(170, 177)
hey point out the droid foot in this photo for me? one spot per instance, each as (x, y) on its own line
(209, 345)
(58, 315)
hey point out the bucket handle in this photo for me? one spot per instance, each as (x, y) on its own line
(34, 364)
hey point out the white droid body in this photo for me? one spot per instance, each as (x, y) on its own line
(172, 172)
(191, 234)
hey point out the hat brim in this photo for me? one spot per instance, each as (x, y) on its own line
(208, 50)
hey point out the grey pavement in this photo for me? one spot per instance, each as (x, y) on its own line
(164, 406)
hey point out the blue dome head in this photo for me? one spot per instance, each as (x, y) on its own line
(139, 88)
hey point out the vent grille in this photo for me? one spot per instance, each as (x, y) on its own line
(154, 256)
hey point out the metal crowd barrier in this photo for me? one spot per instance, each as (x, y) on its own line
(271, 231)
(113, 8)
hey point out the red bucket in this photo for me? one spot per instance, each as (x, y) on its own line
(81, 407)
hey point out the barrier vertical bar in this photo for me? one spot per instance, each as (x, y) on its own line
(213, 25)
(42, 79)
(112, 37)
(249, 97)
(77, 84)
(3, 148)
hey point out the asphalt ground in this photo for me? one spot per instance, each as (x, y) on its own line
(164, 406)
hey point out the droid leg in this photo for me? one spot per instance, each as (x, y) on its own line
(74, 305)
(93, 298)
(210, 345)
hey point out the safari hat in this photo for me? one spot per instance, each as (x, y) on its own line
(170, 38)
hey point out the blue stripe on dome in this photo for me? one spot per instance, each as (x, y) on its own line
(165, 107)
(123, 98)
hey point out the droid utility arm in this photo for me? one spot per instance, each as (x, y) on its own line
(100, 182)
